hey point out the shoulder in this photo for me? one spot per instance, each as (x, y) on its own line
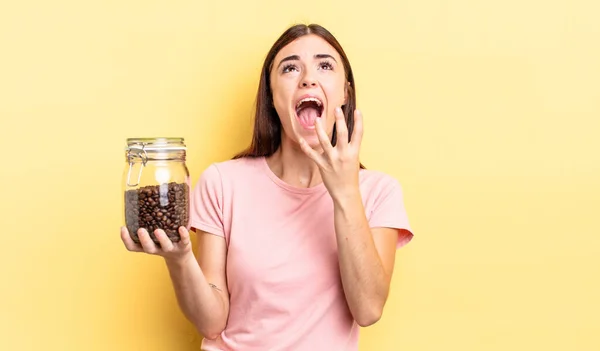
(230, 170)
(384, 203)
(377, 188)
(237, 165)
(376, 181)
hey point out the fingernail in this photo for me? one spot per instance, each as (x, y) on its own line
(338, 109)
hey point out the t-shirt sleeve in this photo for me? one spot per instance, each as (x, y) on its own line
(389, 211)
(206, 205)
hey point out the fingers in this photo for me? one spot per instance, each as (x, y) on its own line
(128, 241)
(166, 244)
(185, 236)
(357, 133)
(147, 245)
(322, 135)
(146, 241)
(341, 128)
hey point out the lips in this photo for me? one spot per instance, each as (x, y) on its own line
(308, 109)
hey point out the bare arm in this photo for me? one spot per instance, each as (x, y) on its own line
(366, 258)
(201, 287)
(200, 284)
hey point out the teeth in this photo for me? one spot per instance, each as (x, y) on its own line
(309, 99)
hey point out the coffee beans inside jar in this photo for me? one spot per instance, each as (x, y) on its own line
(152, 207)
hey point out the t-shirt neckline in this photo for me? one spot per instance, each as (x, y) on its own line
(278, 181)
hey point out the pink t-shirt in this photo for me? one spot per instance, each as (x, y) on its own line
(282, 266)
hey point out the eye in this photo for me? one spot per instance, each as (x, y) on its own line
(326, 65)
(289, 68)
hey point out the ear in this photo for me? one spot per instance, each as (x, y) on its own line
(346, 92)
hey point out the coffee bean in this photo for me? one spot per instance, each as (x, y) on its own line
(154, 207)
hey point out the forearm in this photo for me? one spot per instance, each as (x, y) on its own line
(199, 302)
(363, 276)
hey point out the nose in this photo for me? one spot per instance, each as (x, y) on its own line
(308, 81)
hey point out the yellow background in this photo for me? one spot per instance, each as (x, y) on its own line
(488, 112)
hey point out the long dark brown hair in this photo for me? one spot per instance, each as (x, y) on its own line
(266, 138)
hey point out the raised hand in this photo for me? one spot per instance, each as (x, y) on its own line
(339, 165)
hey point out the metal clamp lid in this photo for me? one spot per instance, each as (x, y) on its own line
(138, 148)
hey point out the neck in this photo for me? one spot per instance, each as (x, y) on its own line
(293, 166)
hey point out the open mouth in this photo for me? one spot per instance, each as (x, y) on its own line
(308, 110)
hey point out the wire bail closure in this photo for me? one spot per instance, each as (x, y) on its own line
(134, 153)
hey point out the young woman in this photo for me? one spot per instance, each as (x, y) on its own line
(296, 239)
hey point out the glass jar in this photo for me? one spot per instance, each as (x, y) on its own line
(156, 187)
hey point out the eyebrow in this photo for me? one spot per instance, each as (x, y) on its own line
(296, 57)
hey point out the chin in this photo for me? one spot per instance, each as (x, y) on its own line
(313, 141)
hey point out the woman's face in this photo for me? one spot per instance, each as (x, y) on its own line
(308, 82)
